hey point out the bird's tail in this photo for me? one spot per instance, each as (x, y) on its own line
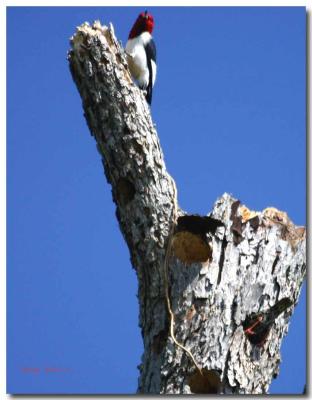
(279, 308)
(148, 95)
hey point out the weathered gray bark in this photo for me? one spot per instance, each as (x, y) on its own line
(243, 266)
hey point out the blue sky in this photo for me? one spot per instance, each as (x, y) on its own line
(229, 105)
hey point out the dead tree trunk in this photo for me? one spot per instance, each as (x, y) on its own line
(221, 268)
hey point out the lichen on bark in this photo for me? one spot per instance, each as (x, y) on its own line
(245, 264)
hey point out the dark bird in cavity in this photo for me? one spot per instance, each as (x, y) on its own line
(257, 326)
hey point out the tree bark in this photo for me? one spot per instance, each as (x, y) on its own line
(221, 269)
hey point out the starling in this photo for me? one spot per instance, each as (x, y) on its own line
(257, 325)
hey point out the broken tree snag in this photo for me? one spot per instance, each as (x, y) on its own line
(119, 120)
(227, 267)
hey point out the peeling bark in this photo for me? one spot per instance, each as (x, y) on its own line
(217, 276)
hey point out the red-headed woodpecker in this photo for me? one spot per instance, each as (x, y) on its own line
(141, 52)
(257, 326)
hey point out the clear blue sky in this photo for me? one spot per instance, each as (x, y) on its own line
(229, 104)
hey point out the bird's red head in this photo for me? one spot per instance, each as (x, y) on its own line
(144, 23)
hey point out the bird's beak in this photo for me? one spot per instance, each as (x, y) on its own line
(146, 16)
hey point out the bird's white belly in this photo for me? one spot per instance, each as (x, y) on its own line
(154, 69)
(137, 62)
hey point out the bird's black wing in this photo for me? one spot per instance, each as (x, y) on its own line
(150, 50)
